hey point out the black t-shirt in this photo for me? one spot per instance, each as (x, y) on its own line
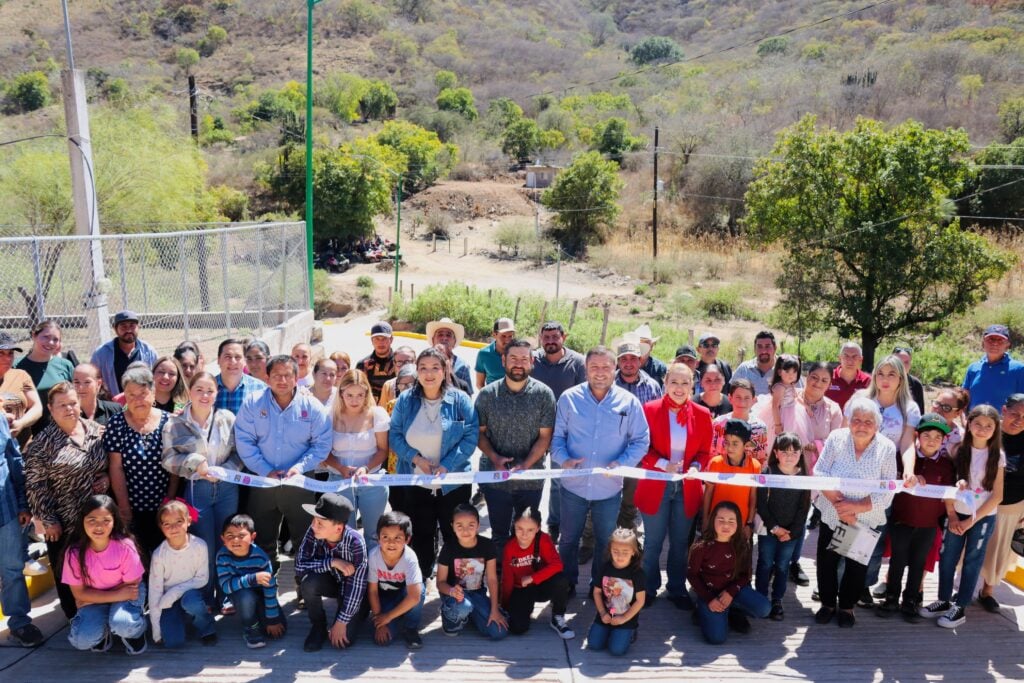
(619, 588)
(719, 410)
(1013, 477)
(467, 567)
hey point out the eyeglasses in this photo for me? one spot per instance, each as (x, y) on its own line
(710, 345)
(944, 407)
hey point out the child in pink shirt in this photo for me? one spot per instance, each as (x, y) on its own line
(103, 568)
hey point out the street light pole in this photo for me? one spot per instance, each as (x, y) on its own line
(398, 232)
(310, 4)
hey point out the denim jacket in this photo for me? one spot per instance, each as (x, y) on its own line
(460, 425)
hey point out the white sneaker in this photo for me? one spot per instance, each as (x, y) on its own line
(953, 618)
(561, 627)
(35, 568)
(936, 609)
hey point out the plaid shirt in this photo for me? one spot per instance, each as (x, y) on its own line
(315, 556)
(645, 388)
(232, 400)
(12, 478)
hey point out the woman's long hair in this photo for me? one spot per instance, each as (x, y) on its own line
(79, 539)
(903, 397)
(740, 546)
(434, 352)
(995, 446)
(179, 392)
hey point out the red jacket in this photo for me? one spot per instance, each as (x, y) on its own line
(517, 564)
(649, 492)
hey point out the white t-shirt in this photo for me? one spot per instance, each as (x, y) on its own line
(893, 423)
(354, 449)
(405, 572)
(979, 458)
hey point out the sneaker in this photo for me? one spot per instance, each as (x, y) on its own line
(989, 603)
(909, 612)
(26, 636)
(953, 617)
(777, 613)
(35, 568)
(451, 632)
(104, 644)
(561, 627)
(880, 590)
(135, 646)
(936, 609)
(227, 609)
(845, 619)
(208, 640)
(798, 576)
(682, 602)
(412, 639)
(316, 639)
(738, 621)
(865, 600)
(888, 608)
(824, 615)
(254, 638)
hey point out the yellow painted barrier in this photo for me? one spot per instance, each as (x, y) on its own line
(423, 337)
(1016, 577)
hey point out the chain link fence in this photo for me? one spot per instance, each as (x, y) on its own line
(200, 285)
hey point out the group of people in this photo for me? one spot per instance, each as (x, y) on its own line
(119, 457)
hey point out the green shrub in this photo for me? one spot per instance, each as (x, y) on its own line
(27, 92)
(656, 49)
(514, 237)
(724, 303)
(365, 281)
(322, 292)
(214, 38)
(459, 100)
(943, 359)
(640, 290)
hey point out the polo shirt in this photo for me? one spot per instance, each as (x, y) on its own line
(992, 383)
(488, 361)
(841, 391)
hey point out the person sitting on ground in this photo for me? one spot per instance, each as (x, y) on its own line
(395, 587)
(247, 580)
(531, 573)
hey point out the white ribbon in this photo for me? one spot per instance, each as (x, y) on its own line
(778, 481)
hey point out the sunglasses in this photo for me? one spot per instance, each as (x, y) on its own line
(904, 349)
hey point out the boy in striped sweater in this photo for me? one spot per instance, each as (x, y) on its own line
(246, 578)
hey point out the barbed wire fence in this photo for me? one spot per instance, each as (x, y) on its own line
(196, 283)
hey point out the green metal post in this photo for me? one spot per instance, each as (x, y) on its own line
(398, 232)
(310, 4)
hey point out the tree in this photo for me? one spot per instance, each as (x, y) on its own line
(214, 38)
(521, 140)
(428, 158)
(378, 102)
(351, 185)
(656, 49)
(28, 92)
(1011, 118)
(444, 79)
(459, 100)
(585, 197)
(970, 85)
(186, 58)
(614, 139)
(864, 219)
(1008, 200)
(776, 45)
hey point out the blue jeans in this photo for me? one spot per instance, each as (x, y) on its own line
(190, 609)
(475, 607)
(503, 506)
(775, 554)
(124, 619)
(216, 502)
(369, 502)
(411, 619)
(248, 604)
(670, 520)
(13, 594)
(616, 639)
(604, 514)
(972, 545)
(715, 625)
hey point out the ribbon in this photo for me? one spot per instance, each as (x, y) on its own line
(779, 481)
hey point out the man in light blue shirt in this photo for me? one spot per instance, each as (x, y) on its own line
(281, 433)
(597, 424)
(997, 375)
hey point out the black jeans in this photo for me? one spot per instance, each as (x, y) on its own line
(520, 605)
(314, 588)
(909, 548)
(428, 512)
(832, 591)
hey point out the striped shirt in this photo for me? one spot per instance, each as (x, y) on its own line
(315, 556)
(238, 573)
(231, 399)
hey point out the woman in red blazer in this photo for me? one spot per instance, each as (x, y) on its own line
(680, 439)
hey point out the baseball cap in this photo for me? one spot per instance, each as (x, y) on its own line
(7, 343)
(686, 351)
(707, 336)
(627, 347)
(332, 506)
(381, 329)
(125, 317)
(504, 325)
(933, 421)
(997, 331)
(739, 428)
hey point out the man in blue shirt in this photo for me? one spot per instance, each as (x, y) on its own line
(114, 357)
(597, 424)
(14, 515)
(996, 376)
(233, 385)
(279, 434)
(489, 367)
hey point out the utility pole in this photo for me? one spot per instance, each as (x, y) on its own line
(654, 217)
(193, 107)
(83, 194)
